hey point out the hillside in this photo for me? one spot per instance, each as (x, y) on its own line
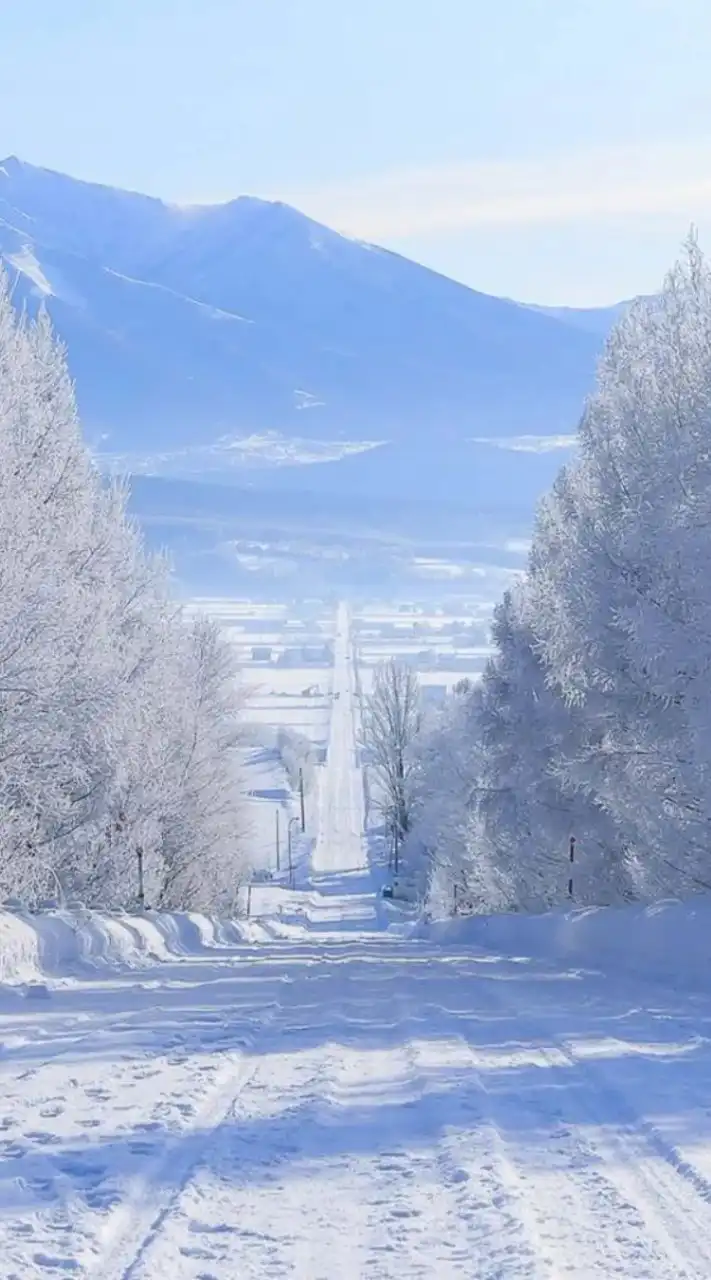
(188, 328)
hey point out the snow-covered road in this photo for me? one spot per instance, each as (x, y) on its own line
(335, 1102)
(340, 846)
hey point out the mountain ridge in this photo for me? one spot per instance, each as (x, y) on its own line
(188, 326)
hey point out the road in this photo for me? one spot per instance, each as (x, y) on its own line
(338, 1102)
(340, 845)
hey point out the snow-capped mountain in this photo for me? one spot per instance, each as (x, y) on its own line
(191, 331)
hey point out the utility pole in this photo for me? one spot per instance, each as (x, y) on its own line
(291, 860)
(141, 885)
(572, 862)
(278, 850)
(301, 795)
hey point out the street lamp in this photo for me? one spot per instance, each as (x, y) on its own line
(292, 823)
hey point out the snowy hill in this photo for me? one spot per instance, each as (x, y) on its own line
(188, 328)
(597, 320)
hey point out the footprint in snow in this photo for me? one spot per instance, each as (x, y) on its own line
(49, 1262)
(142, 1148)
(102, 1198)
(211, 1228)
(12, 1150)
(83, 1170)
(44, 1188)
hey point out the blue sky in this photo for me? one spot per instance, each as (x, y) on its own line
(550, 150)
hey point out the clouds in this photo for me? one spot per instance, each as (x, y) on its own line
(527, 444)
(602, 183)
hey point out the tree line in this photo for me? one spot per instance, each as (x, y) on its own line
(119, 714)
(593, 716)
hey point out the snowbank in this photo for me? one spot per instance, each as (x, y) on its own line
(62, 943)
(664, 942)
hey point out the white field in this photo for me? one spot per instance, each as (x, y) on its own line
(277, 698)
(427, 679)
(422, 634)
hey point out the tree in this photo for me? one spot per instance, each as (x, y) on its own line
(390, 724)
(622, 589)
(117, 714)
(593, 716)
(447, 765)
(523, 811)
(504, 815)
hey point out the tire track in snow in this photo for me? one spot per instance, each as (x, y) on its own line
(262, 1201)
(489, 1223)
(397, 1207)
(149, 1197)
(351, 1174)
(617, 1195)
(67, 1173)
(673, 1197)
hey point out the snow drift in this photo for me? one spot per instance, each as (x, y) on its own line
(63, 943)
(666, 942)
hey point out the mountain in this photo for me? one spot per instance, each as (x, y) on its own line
(228, 339)
(597, 320)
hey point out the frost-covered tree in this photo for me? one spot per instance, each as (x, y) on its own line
(390, 724)
(621, 582)
(116, 716)
(504, 815)
(199, 824)
(298, 756)
(593, 717)
(447, 765)
(523, 813)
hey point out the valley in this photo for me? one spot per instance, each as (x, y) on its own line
(287, 653)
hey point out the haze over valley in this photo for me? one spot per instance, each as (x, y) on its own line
(343, 393)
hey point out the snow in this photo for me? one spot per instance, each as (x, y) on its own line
(340, 846)
(61, 943)
(26, 263)
(666, 942)
(315, 1094)
(48, 280)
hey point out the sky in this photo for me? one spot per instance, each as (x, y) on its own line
(554, 151)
